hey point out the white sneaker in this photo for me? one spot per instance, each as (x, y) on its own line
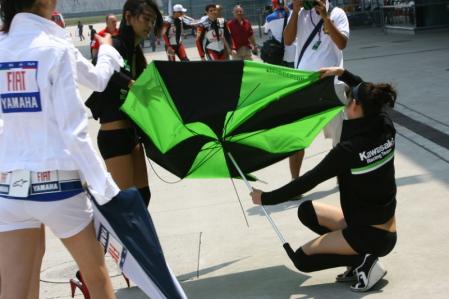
(368, 274)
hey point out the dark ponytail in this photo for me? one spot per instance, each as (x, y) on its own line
(374, 98)
(9, 8)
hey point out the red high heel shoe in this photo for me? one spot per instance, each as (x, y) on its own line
(79, 284)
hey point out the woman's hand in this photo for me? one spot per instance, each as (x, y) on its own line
(256, 196)
(104, 40)
(331, 71)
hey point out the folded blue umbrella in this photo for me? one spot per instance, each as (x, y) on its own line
(125, 229)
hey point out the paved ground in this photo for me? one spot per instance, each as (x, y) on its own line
(216, 255)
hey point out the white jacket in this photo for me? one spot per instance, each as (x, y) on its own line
(44, 120)
(96, 77)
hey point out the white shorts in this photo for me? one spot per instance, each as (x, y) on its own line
(65, 218)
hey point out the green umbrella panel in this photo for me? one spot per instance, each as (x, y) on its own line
(192, 114)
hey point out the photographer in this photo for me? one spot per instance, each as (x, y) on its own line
(364, 227)
(321, 32)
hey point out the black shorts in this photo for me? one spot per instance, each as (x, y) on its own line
(368, 239)
(114, 143)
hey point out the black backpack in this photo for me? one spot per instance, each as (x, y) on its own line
(272, 51)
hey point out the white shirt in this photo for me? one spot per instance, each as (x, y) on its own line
(274, 25)
(44, 120)
(327, 54)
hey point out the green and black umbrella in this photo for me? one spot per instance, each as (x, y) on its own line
(198, 119)
(193, 114)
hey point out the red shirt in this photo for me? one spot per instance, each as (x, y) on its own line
(96, 42)
(240, 33)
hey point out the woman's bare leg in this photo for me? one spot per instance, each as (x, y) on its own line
(17, 253)
(89, 256)
(140, 167)
(330, 243)
(329, 216)
(34, 286)
(122, 170)
(295, 162)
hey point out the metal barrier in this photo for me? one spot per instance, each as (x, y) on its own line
(382, 13)
(415, 14)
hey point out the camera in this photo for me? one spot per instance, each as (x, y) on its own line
(309, 4)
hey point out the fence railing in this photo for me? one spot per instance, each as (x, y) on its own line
(404, 13)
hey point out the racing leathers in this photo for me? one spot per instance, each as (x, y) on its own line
(215, 33)
(173, 33)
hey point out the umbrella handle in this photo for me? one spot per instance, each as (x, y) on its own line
(242, 175)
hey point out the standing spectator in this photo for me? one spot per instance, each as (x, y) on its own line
(173, 33)
(80, 31)
(153, 39)
(58, 18)
(274, 25)
(242, 36)
(111, 28)
(227, 36)
(92, 33)
(213, 30)
(324, 50)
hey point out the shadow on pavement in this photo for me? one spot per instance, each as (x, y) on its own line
(274, 282)
(130, 293)
(201, 272)
(277, 282)
(336, 290)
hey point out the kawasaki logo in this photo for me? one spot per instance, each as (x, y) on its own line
(367, 155)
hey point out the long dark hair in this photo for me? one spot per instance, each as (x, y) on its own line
(136, 8)
(9, 8)
(374, 98)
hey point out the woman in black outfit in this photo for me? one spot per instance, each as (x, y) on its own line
(118, 140)
(364, 228)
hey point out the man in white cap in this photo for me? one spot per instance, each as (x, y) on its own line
(173, 32)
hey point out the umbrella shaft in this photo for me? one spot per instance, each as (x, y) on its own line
(281, 238)
(263, 208)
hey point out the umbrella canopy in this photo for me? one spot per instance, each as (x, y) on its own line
(125, 229)
(193, 114)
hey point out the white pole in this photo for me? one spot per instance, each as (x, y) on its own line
(263, 208)
(170, 8)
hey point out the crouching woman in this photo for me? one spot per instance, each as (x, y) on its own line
(363, 229)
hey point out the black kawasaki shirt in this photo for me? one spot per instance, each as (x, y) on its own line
(363, 162)
(106, 105)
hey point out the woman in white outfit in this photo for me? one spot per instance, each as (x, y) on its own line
(95, 78)
(45, 152)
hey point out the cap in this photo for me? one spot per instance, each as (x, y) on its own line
(179, 8)
(278, 2)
